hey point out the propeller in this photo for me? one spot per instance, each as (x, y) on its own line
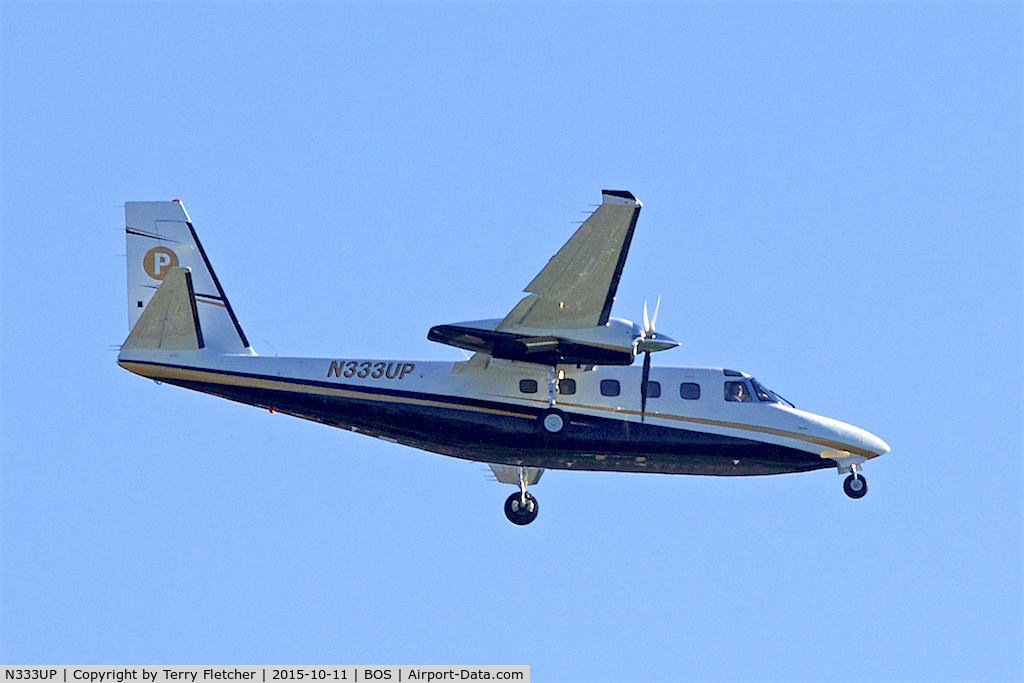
(647, 343)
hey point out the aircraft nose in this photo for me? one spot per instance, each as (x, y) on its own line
(856, 437)
(873, 443)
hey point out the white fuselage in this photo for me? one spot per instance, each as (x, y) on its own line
(404, 392)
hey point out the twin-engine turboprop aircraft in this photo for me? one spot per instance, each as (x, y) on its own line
(548, 387)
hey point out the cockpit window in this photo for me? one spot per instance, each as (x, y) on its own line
(737, 392)
(767, 395)
(762, 393)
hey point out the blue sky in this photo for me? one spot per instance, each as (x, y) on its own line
(832, 202)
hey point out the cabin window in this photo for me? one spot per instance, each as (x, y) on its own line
(566, 387)
(528, 386)
(737, 392)
(689, 390)
(653, 389)
(609, 387)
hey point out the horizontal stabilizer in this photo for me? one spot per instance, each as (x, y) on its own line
(170, 321)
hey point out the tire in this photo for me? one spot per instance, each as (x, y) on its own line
(855, 486)
(518, 515)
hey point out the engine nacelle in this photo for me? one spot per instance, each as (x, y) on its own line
(609, 344)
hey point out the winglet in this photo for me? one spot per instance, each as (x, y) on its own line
(622, 197)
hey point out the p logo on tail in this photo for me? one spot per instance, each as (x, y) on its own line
(158, 261)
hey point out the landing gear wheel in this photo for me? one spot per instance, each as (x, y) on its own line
(516, 513)
(855, 486)
(552, 421)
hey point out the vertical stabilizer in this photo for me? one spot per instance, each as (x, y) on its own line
(160, 238)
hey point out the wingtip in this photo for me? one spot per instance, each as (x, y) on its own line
(619, 197)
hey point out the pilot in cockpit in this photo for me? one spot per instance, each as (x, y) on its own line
(737, 392)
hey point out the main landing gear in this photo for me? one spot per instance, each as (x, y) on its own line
(521, 507)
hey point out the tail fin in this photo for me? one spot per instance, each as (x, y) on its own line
(160, 238)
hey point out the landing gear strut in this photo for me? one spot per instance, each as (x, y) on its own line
(552, 421)
(521, 508)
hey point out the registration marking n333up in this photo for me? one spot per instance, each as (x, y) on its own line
(370, 369)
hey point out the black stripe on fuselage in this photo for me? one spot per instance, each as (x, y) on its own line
(506, 433)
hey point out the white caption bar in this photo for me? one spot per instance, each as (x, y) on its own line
(221, 673)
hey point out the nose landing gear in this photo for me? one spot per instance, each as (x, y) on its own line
(855, 486)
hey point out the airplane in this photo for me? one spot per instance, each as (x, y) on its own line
(552, 385)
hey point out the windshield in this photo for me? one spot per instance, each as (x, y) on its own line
(767, 395)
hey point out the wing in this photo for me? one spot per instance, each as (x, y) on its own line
(577, 287)
(565, 318)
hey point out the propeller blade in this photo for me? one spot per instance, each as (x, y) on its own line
(643, 384)
(647, 325)
(654, 319)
